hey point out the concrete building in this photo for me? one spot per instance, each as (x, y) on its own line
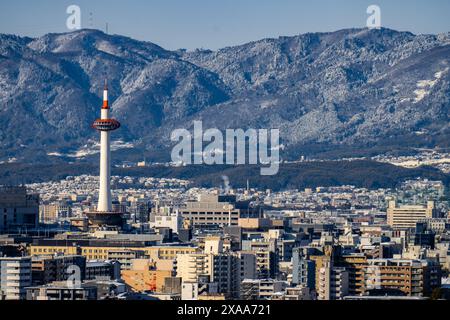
(107, 289)
(62, 291)
(303, 268)
(103, 270)
(99, 249)
(412, 277)
(18, 210)
(266, 256)
(141, 210)
(202, 287)
(47, 269)
(333, 283)
(51, 213)
(356, 265)
(212, 210)
(403, 217)
(172, 285)
(173, 221)
(125, 257)
(437, 225)
(260, 289)
(15, 277)
(294, 293)
(299, 293)
(226, 269)
(143, 276)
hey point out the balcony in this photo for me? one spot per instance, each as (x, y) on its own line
(18, 271)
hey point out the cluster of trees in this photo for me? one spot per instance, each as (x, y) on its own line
(360, 173)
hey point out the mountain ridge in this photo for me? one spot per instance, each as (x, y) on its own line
(352, 87)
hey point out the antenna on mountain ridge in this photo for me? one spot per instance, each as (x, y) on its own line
(91, 20)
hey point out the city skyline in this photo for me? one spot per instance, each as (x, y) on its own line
(252, 179)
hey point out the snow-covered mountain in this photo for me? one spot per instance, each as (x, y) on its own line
(353, 88)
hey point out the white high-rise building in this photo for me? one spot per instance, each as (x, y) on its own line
(15, 277)
(225, 269)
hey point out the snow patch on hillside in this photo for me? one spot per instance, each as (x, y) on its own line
(92, 148)
(424, 86)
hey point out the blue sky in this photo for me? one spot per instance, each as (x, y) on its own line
(214, 24)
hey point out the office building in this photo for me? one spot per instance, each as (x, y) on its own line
(404, 217)
(19, 211)
(212, 210)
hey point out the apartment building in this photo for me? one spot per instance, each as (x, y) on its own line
(333, 282)
(266, 252)
(412, 277)
(303, 268)
(15, 277)
(46, 269)
(143, 276)
(226, 269)
(260, 289)
(356, 265)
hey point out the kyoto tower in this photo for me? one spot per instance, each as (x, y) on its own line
(104, 215)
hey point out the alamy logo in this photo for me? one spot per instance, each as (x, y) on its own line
(73, 276)
(374, 20)
(190, 148)
(373, 277)
(73, 22)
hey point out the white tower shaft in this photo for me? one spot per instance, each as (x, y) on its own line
(104, 197)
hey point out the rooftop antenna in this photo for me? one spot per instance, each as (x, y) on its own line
(106, 28)
(91, 20)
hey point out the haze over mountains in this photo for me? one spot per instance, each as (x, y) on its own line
(346, 92)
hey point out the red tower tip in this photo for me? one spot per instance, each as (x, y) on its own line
(105, 96)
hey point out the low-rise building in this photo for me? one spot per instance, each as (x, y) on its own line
(62, 291)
